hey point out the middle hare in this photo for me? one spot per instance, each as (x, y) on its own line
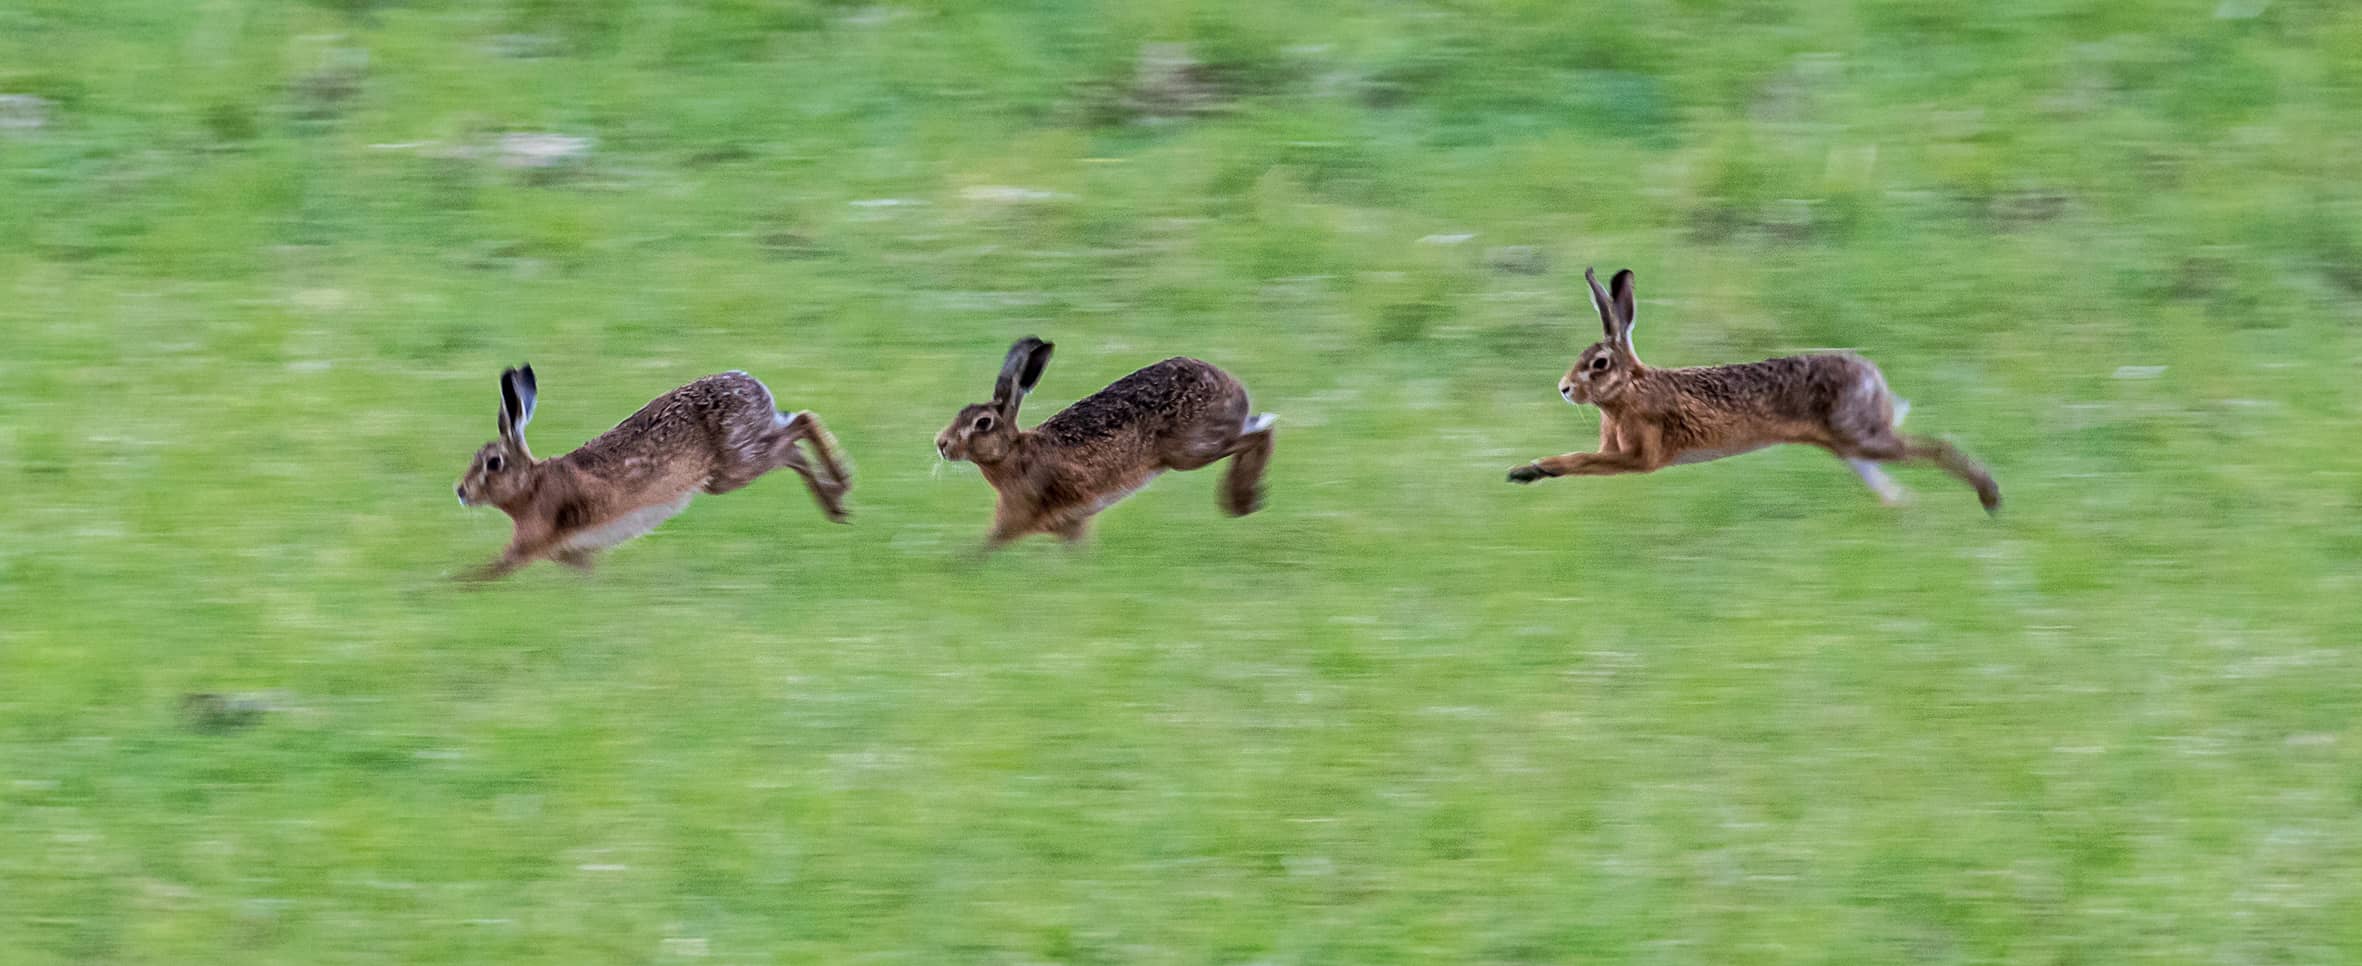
(1179, 414)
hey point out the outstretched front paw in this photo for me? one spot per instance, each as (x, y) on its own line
(1527, 473)
(479, 575)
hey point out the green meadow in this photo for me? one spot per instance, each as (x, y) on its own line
(262, 261)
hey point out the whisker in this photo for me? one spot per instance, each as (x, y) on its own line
(1590, 414)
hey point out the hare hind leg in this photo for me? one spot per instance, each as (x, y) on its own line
(827, 481)
(1888, 491)
(1250, 453)
(1957, 463)
(807, 427)
(1895, 447)
(825, 491)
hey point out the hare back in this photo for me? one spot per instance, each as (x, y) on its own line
(1136, 419)
(1817, 399)
(685, 435)
(1177, 414)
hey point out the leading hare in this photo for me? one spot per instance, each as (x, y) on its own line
(1654, 418)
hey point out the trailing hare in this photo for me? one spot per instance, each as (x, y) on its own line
(1654, 418)
(1179, 414)
(713, 435)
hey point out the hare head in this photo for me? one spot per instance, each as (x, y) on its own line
(1605, 370)
(501, 472)
(987, 432)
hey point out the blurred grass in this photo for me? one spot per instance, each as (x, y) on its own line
(259, 266)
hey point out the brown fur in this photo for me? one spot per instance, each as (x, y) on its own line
(1654, 418)
(713, 435)
(1179, 414)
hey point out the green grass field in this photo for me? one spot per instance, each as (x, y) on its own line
(261, 263)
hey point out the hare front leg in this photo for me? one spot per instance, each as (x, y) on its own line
(1580, 464)
(996, 538)
(524, 546)
(1635, 452)
(1009, 522)
(504, 565)
(1074, 531)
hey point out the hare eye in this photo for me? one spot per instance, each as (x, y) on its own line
(494, 463)
(1599, 362)
(984, 424)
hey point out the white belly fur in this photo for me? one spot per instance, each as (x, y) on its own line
(627, 526)
(1119, 495)
(1707, 455)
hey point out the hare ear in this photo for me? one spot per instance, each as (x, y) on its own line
(1019, 372)
(1620, 287)
(517, 391)
(1606, 306)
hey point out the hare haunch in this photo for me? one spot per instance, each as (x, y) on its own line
(1654, 418)
(1179, 414)
(713, 436)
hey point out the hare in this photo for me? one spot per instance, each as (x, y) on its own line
(1179, 414)
(713, 435)
(1654, 418)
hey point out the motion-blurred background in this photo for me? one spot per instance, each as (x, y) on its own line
(261, 263)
